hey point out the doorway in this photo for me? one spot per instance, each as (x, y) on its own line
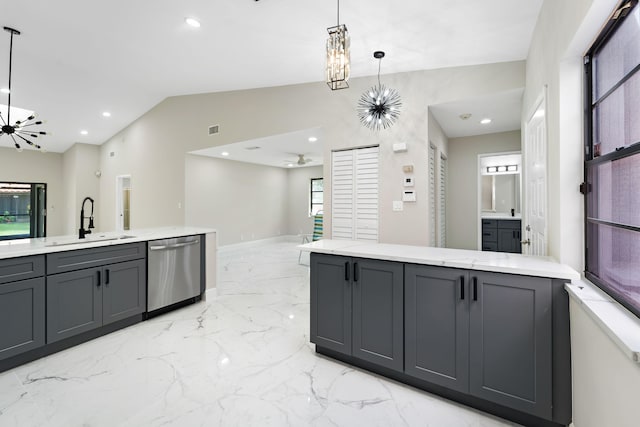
(123, 202)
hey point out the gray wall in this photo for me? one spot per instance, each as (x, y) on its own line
(299, 180)
(34, 166)
(152, 148)
(242, 201)
(79, 166)
(462, 194)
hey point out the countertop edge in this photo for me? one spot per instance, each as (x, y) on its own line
(464, 259)
(46, 245)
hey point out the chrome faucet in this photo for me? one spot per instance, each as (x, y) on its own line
(82, 232)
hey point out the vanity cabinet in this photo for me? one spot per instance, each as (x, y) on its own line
(22, 305)
(356, 308)
(501, 235)
(88, 298)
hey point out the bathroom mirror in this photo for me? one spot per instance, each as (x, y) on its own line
(501, 193)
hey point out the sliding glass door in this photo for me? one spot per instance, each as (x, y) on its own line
(22, 210)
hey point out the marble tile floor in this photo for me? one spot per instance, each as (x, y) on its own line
(241, 358)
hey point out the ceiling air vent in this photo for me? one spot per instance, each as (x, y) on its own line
(214, 129)
(252, 148)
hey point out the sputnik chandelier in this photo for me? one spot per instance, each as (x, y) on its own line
(18, 128)
(338, 56)
(379, 107)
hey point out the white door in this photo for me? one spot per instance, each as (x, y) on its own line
(354, 194)
(535, 182)
(432, 195)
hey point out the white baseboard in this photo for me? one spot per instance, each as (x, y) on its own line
(254, 243)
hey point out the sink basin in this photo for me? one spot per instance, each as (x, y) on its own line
(98, 238)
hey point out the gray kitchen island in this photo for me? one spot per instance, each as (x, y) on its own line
(490, 330)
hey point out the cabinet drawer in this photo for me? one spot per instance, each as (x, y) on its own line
(61, 262)
(490, 246)
(489, 223)
(27, 267)
(489, 235)
(509, 223)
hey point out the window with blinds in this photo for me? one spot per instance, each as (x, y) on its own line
(612, 161)
(432, 195)
(442, 225)
(354, 194)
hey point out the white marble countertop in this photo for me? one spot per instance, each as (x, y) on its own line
(499, 215)
(43, 245)
(499, 262)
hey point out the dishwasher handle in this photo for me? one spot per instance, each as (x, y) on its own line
(174, 246)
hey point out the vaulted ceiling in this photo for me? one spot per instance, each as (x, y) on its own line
(76, 59)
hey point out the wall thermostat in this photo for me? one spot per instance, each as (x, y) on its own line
(408, 196)
(407, 169)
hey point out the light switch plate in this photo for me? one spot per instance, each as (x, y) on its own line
(408, 196)
(398, 205)
(408, 181)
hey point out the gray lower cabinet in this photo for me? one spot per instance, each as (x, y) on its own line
(500, 338)
(79, 301)
(510, 338)
(21, 316)
(501, 235)
(436, 311)
(357, 308)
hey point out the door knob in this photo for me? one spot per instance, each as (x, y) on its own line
(526, 242)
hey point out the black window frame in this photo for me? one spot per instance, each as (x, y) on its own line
(311, 204)
(590, 159)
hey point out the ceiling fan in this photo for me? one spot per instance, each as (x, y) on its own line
(301, 160)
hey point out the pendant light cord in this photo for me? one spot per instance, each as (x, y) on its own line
(338, 13)
(379, 64)
(10, 59)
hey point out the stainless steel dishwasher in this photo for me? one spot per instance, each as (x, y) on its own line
(173, 271)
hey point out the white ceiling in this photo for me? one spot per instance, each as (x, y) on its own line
(78, 58)
(503, 108)
(275, 150)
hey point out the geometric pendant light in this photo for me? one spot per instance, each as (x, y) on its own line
(338, 56)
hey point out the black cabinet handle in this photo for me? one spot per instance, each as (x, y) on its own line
(355, 271)
(461, 287)
(106, 276)
(475, 289)
(346, 271)
(486, 234)
(99, 279)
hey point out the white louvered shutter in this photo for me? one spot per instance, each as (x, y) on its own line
(342, 192)
(354, 194)
(432, 195)
(442, 214)
(366, 200)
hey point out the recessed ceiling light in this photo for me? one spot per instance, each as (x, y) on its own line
(290, 165)
(106, 114)
(225, 153)
(313, 139)
(485, 121)
(192, 22)
(464, 116)
(84, 132)
(4, 90)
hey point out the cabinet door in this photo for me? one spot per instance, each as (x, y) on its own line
(331, 302)
(74, 303)
(436, 314)
(124, 293)
(509, 240)
(510, 341)
(21, 316)
(378, 312)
